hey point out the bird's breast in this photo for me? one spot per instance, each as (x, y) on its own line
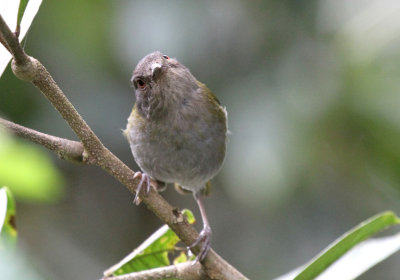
(183, 148)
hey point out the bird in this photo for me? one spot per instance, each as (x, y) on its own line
(177, 132)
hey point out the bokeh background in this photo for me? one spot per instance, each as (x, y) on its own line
(312, 89)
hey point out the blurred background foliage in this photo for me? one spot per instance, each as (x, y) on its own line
(29, 171)
(312, 92)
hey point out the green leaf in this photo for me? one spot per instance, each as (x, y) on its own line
(152, 253)
(181, 258)
(346, 242)
(21, 11)
(362, 257)
(8, 230)
(29, 173)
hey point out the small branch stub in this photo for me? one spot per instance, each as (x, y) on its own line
(25, 72)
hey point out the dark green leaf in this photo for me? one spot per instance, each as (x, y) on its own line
(346, 242)
(21, 11)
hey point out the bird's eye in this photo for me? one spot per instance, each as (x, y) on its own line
(141, 84)
(165, 56)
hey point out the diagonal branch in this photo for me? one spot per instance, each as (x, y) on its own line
(29, 69)
(66, 149)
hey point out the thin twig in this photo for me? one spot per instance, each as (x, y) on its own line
(12, 43)
(186, 271)
(30, 69)
(66, 149)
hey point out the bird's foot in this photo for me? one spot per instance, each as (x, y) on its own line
(144, 180)
(204, 239)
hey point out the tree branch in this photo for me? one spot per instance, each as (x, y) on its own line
(65, 149)
(11, 43)
(186, 271)
(30, 69)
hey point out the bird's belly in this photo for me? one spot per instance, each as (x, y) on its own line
(185, 159)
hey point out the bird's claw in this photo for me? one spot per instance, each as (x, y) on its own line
(205, 240)
(144, 179)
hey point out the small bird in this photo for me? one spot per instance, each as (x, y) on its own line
(177, 131)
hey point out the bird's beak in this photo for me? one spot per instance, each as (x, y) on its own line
(155, 68)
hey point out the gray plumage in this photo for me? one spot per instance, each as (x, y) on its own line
(177, 129)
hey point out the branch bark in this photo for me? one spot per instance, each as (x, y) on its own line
(64, 148)
(186, 271)
(29, 69)
(11, 43)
